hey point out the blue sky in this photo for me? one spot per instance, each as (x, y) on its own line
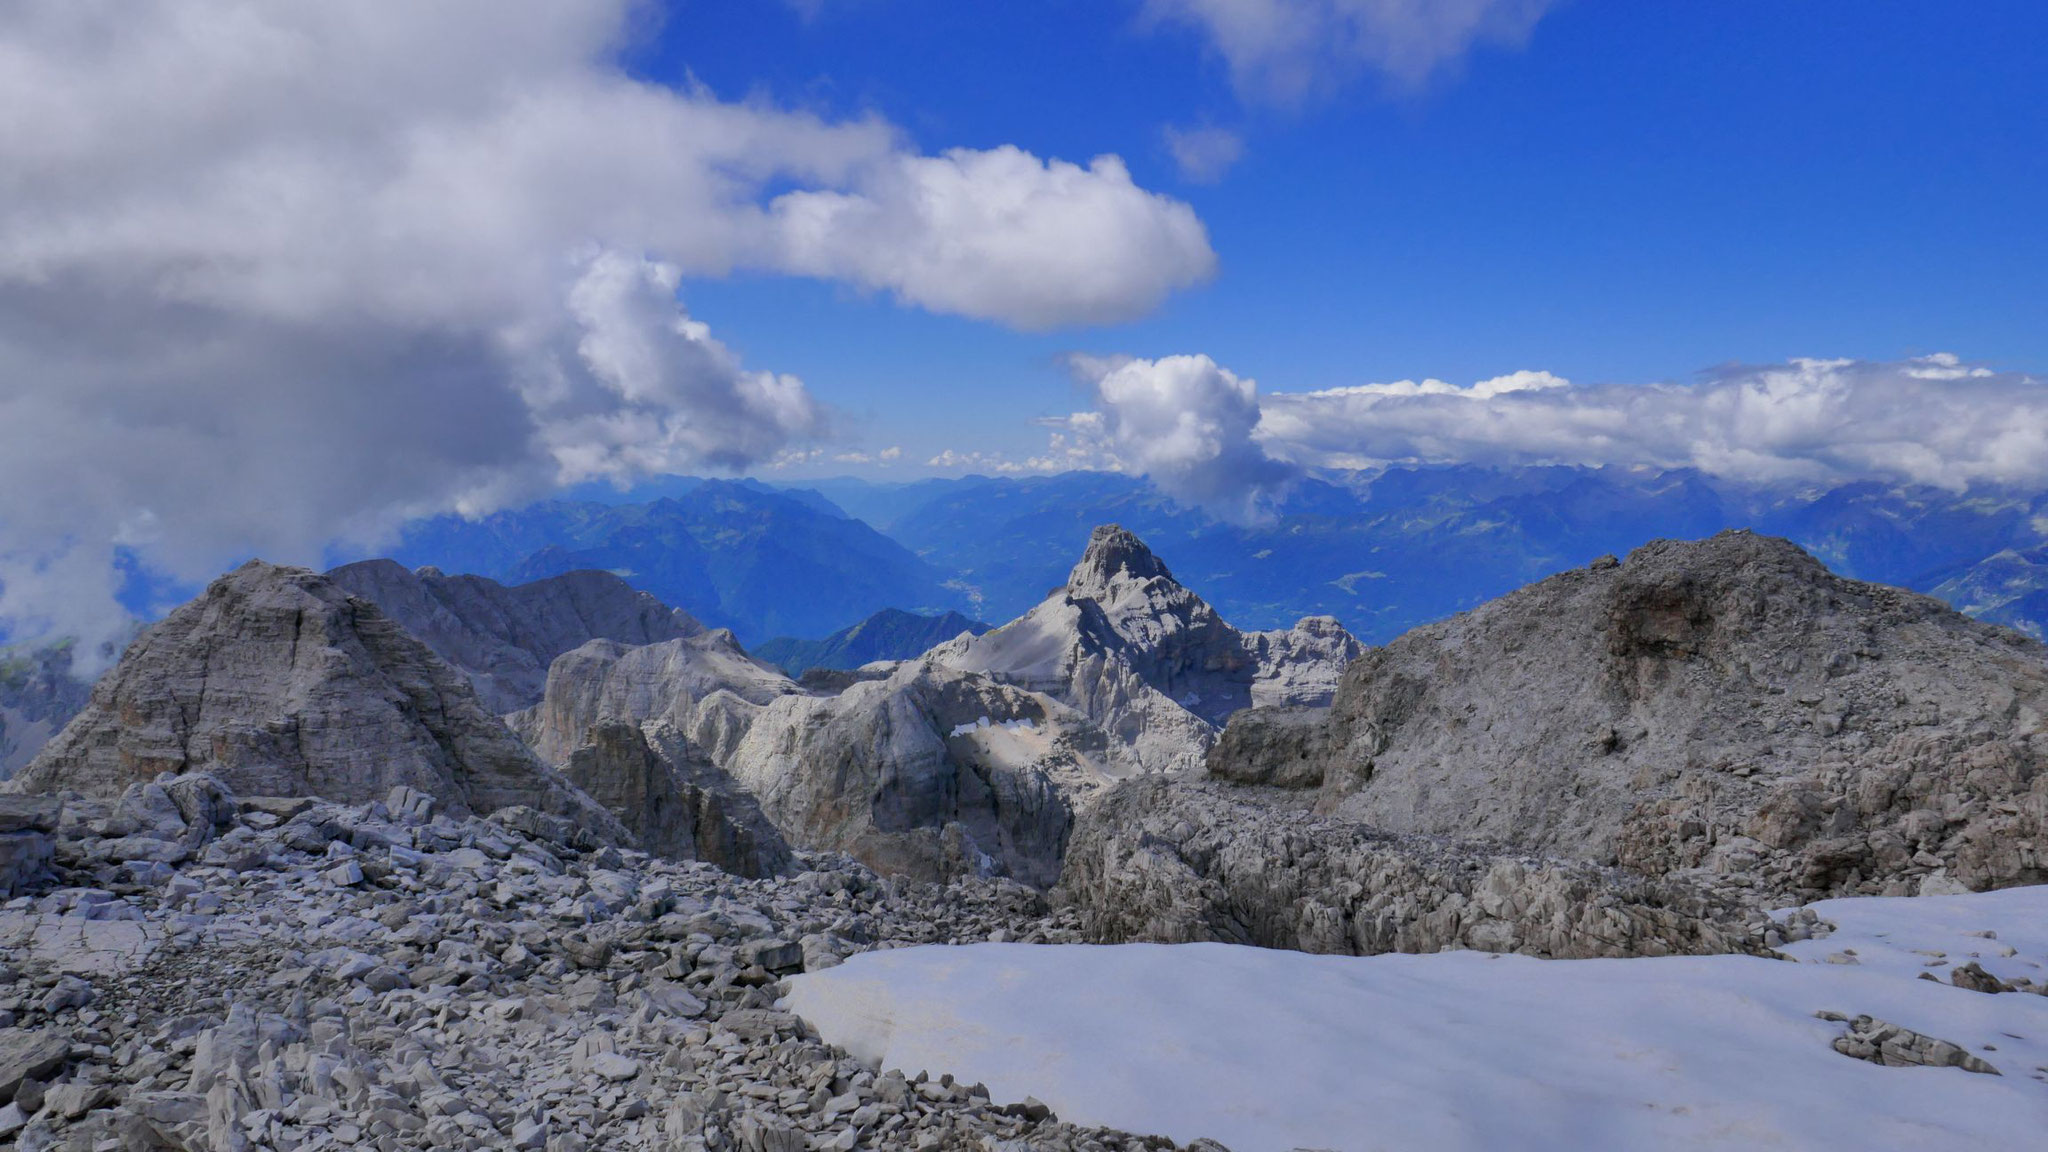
(1639, 192)
(396, 259)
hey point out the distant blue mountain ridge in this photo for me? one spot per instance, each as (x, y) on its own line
(1381, 551)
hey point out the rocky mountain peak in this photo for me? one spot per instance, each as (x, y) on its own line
(1114, 554)
(1725, 704)
(1146, 658)
(503, 638)
(281, 683)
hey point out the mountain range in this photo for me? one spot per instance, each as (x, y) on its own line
(1644, 756)
(1382, 551)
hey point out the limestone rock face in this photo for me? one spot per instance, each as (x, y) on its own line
(1148, 660)
(702, 685)
(1299, 667)
(1177, 861)
(675, 801)
(1726, 705)
(504, 638)
(280, 683)
(932, 773)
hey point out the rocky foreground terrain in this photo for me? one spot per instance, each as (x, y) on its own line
(202, 971)
(296, 878)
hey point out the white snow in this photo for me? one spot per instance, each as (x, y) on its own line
(1268, 1050)
(1020, 724)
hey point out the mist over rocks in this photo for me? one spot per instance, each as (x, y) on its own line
(39, 694)
(279, 682)
(503, 638)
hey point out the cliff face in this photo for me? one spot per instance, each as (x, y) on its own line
(1725, 705)
(704, 685)
(503, 638)
(932, 773)
(279, 682)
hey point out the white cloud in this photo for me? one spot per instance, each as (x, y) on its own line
(1205, 435)
(1203, 155)
(1931, 420)
(274, 271)
(891, 454)
(1187, 423)
(1285, 50)
(1001, 235)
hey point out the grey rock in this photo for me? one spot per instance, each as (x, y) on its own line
(27, 1055)
(674, 800)
(703, 685)
(504, 638)
(1895, 1047)
(28, 827)
(277, 682)
(1972, 976)
(932, 773)
(1148, 660)
(1725, 705)
(1179, 861)
(1274, 747)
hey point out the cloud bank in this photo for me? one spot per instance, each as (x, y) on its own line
(273, 270)
(1206, 437)
(1285, 50)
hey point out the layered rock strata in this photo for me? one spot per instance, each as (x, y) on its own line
(279, 682)
(503, 638)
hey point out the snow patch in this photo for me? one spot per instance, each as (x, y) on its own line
(1269, 1050)
(1023, 724)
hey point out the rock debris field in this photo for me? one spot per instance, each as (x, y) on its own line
(294, 974)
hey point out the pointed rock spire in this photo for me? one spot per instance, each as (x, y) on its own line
(1114, 551)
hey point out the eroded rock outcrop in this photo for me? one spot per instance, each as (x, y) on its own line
(503, 638)
(1726, 705)
(278, 682)
(704, 685)
(1178, 861)
(674, 800)
(930, 773)
(1147, 659)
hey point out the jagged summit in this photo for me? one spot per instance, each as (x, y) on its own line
(280, 682)
(503, 638)
(1114, 552)
(1726, 704)
(1147, 658)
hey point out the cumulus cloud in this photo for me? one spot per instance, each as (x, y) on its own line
(1285, 50)
(273, 272)
(1203, 155)
(1188, 424)
(1002, 235)
(1931, 420)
